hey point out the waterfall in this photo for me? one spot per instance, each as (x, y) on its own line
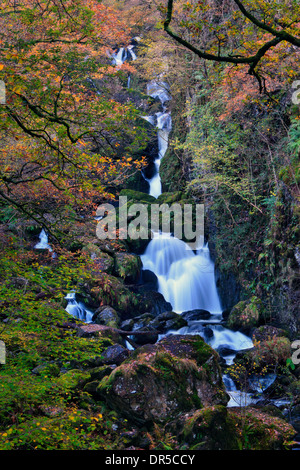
(78, 309)
(186, 279)
(163, 122)
(43, 242)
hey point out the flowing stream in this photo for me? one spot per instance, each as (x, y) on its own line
(186, 278)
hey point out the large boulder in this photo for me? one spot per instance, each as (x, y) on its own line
(157, 382)
(156, 303)
(233, 428)
(246, 315)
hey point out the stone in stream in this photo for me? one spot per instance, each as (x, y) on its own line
(197, 314)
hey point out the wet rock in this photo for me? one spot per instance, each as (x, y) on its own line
(225, 351)
(106, 315)
(208, 332)
(138, 323)
(149, 336)
(168, 321)
(149, 280)
(161, 323)
(195, 315)
(156, 303)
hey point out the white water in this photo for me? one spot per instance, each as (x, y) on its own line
(163, 121)
(159, 89)
(185, 279)
(43, 243)
(78, 309)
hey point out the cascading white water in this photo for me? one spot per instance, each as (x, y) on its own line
(155, 188)
(123, 54)
(163, 121)
(186, 279)
(78, 309)
(159, 89)
(43, 243)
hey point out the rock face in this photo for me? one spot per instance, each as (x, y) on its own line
(159, 381)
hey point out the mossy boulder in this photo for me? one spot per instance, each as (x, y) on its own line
(266, 356)
(73, 379)
(220, 428)
(47, 369)
(261, 431)
(102, 261)
(137, 245)
(265, 332)
(106, 315)
(128, 267)
(137, 196)
(171, 172)
(114, 354)
(169, 197)
(210, 428)
(273, 351)
(245, 315)
(157, 382)
(106, 289)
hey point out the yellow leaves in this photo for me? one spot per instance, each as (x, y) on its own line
(1, 66)
(18, 89)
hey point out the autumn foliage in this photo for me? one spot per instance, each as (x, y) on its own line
(61, 128)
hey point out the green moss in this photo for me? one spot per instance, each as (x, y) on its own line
(203, 350)
(246, 314)
(169, 197)
(171, 172)
(137, 196)
(128, 266)
(211, 428)
(73, 378)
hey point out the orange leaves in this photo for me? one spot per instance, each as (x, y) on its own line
(64, 134)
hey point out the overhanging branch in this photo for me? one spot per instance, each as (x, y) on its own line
(252, 60)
